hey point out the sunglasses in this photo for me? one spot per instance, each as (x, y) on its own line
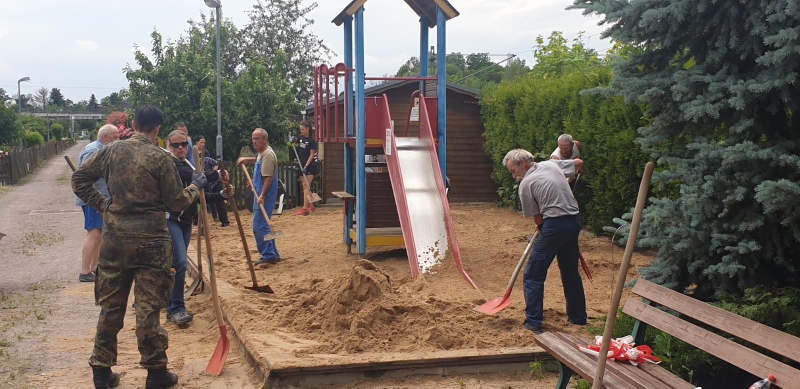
(178, 145)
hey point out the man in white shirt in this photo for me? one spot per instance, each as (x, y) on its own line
(568, 148)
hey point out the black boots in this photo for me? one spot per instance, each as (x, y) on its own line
(103, 378)
(161, 378)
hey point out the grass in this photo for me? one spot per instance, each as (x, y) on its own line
(33, 240)
(22, 317)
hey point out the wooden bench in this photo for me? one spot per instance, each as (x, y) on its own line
(685, 327)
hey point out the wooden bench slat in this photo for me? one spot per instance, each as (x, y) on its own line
(665, 376)
(749, 330)
(632, 378)
(580, 362)
(662, 379)
(727, 350)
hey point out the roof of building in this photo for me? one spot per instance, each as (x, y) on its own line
(388, 85)
(420, 7)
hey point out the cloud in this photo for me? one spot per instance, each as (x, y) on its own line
(86, 45)
(3, 31)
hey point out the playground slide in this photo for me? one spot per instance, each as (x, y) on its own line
(421, 198)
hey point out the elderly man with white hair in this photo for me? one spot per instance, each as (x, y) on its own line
(568, 148)
(92, 220)
(547, 198)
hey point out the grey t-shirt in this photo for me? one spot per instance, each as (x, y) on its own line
(544, 190)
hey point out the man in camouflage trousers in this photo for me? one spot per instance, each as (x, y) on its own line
(136, 246)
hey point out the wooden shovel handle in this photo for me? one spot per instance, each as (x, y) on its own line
(250, 181)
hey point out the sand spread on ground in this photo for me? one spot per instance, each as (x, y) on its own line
(329, 302)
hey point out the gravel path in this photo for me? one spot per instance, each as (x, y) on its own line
(48, 318)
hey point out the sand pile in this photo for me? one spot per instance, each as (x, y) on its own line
(329, 302)
(364, 311)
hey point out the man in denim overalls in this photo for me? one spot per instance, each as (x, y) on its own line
(265, 181)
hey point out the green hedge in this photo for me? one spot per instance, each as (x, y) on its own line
(531, 113)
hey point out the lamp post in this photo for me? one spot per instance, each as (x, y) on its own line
(19, 95)
(218, 4)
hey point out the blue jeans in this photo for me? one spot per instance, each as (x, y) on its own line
(181, 234)
(558, 238)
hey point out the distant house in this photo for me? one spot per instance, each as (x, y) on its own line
(468, 167)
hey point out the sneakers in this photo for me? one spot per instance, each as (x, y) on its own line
(302, 212)
(181, 317)
(160, 379)
(311, 209)
(88, 277)
(270, 261)
(226, 224)
(104, 378)
(536, 330)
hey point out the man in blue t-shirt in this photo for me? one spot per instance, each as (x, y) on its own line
(92, 220)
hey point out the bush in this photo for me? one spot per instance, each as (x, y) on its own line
(33, 138)
(531, 113)
(57, 131)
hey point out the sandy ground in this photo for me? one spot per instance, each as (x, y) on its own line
(48, 318)
(329, 305)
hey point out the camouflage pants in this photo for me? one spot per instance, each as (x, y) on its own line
(122, 262)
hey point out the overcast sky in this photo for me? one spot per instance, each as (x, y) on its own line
(81, 46)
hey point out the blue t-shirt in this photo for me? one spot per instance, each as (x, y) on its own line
(100, 184)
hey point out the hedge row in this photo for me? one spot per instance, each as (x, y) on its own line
(531, 113)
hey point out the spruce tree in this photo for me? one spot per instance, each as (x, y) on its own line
(720, 80)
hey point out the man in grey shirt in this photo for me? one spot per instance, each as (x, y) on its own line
(546, 196)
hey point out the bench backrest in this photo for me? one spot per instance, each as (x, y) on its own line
(721, 347)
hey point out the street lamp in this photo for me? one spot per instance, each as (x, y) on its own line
(218, 5)
(19, 95)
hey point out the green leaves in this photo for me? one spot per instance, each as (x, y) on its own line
(265, 69)
(532, 111)
(719, 81)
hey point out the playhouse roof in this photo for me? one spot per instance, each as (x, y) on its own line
(420, 7)
(388, 85)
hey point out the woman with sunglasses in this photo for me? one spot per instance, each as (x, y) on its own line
(180, 223)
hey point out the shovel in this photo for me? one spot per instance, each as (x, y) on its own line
(198, 279)
(255, 287)
(223, 345)
(274, 234)
(69, 162)
(314, 197)
(496, 305)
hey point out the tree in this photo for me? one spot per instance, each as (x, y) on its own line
(57, 131)
(31, 123)
(281, 28)
(514, 69)
(9, 125)
(182, 82)
(556, 57)
(4, 96)
(25, 101)
(93, 105)
(719, 82)
(40, 97)
(56, 98)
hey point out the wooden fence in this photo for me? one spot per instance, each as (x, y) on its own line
(288, 173)
(19, 163)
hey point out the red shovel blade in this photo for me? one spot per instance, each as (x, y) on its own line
(220, 353)
(495, 305)
(585, 267)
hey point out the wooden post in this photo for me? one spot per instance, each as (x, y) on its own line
(621, 275)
